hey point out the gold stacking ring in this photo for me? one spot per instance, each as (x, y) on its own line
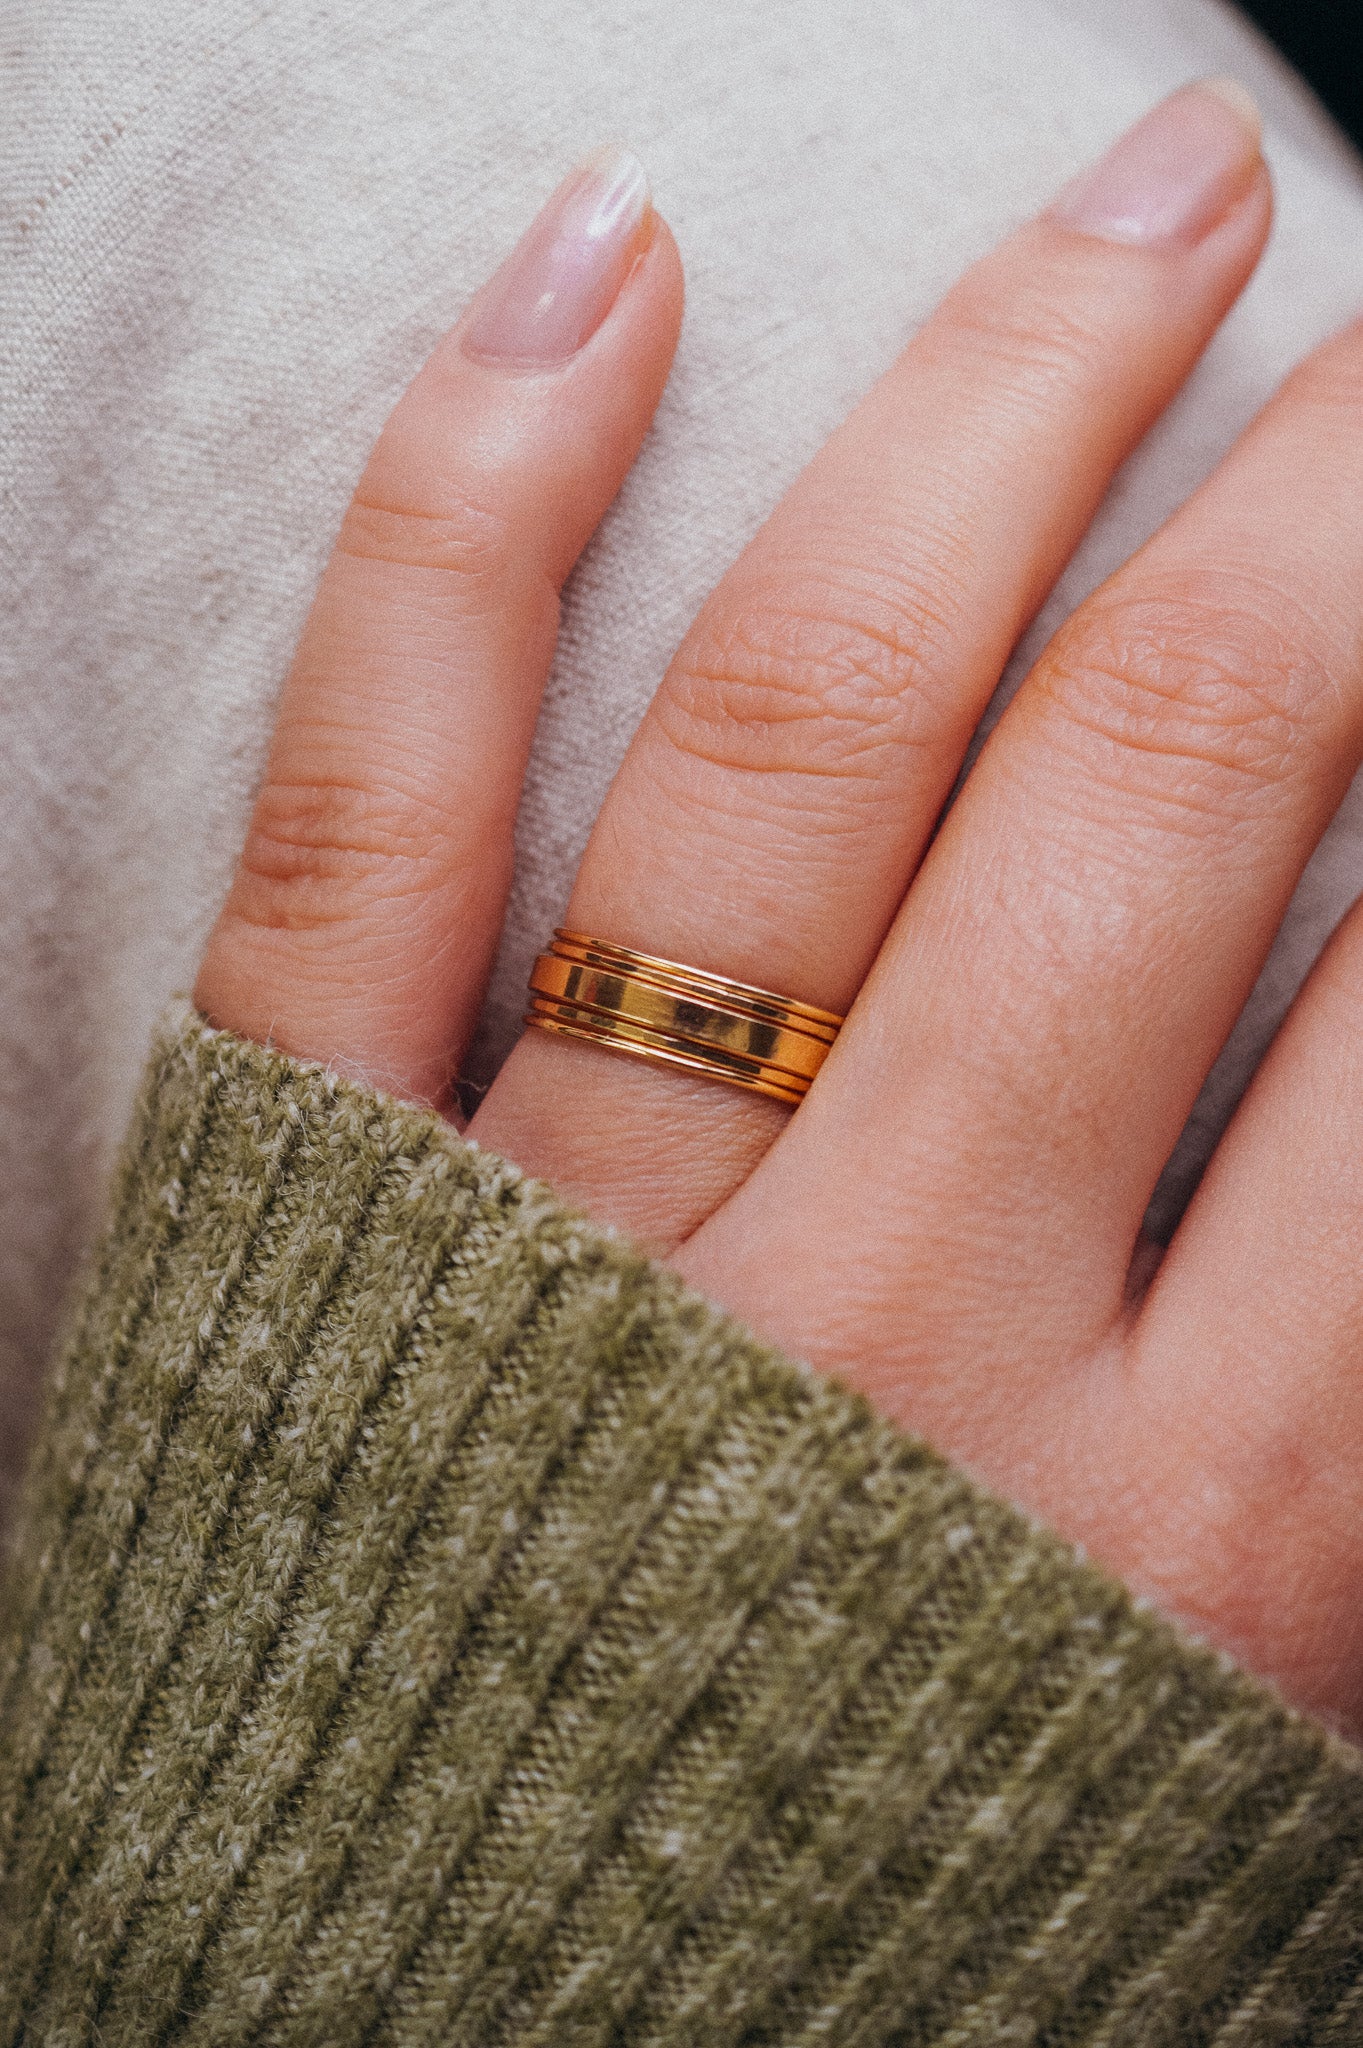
(660, 1010)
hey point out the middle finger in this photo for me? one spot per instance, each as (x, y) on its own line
(1078, 945)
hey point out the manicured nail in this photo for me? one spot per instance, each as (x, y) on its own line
(1172, 177)
(564, 275)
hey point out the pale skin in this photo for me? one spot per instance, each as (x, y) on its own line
(951, 1221)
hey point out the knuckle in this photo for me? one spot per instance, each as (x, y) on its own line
(1213, 700)
(817, 681)
(459, 539)
(1028, 342)
(324, 854)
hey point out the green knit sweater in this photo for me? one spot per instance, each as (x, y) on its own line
(430, 1624)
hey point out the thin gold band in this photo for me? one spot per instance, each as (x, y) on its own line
(660, 1010)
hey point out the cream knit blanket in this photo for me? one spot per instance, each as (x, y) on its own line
(234, 228)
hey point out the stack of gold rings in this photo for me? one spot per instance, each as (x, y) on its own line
(660, 1010)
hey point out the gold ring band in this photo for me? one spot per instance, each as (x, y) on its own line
(660, 1010)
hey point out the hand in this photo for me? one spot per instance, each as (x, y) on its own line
(952, 1220)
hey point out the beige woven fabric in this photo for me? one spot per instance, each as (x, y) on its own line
(233, 230)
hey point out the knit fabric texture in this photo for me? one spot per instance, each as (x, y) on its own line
(431, 1624)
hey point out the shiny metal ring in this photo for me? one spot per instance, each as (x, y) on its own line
(660, 1010)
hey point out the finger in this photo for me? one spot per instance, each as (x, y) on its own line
(367, 906)
(782, 787)
(1245, 1361)
(1096, 909)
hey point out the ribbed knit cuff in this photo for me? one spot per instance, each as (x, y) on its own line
(432, 1625)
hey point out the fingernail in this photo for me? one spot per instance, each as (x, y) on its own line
(564, 275)
(1172, 177)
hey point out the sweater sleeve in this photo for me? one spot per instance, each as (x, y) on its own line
(432, 1625)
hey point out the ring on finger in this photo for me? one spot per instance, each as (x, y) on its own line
(679, 1016)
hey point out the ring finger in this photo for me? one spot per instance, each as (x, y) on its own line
(783, 786)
